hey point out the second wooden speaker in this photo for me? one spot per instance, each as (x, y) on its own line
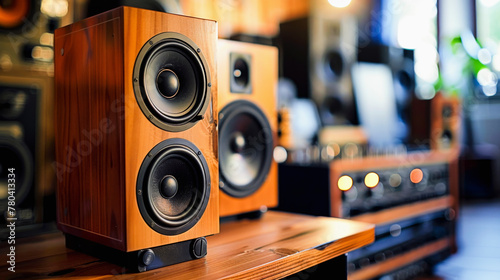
(136, 136)
(248, 76)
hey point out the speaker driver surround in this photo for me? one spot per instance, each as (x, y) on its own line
(172, 81)
(245, 148)
(173, 186)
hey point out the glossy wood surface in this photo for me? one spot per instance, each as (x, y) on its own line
(94, 95)
(277, 245)
(89, 135)
(141, 135)
(264, 78)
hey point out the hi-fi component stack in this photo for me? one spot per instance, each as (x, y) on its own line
(410, 197)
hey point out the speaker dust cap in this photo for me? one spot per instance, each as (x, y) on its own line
(245, 148)
(171, 81)
(173, 186)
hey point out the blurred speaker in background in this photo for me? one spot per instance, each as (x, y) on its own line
(26, 106)
(316, 53)
(401, 64)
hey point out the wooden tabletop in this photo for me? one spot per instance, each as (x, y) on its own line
(277, 245)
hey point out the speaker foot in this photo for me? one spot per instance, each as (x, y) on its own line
(142, 260)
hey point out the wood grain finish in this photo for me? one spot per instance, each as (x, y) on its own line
(264, 78)
(103, 136)
(400, 261)
(277, 245)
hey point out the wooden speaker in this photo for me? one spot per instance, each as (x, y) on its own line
(445, 122)
(136, 135)
(248, 75)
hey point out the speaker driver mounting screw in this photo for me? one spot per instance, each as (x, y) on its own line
(198, 50)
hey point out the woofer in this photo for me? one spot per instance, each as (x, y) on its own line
(245, 148)
(15, 156)
(172, 81)
(173, 186)
(334, 64)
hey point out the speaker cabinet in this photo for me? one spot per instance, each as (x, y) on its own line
(445, 122)
(136, 135)
(26, 147)
(435, 123)
(248, 75)
(316, 53)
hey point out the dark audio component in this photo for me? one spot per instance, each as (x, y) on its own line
(248, 75)
(27, 185)
(316, 53)
(394, 239)
(136, 136)
(420, 268)
(352, 187)
(373, 189)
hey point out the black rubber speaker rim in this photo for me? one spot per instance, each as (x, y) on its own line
(24, 177)
(147, 94)
(228, 114)
(175, 224)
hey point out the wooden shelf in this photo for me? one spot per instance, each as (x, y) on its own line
(406, 211)
(275, 246)
(401, 260)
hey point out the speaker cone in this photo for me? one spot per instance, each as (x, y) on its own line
(172, 81)
(16, 170)
(173, 186)
(245, 148)
(334, 64)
